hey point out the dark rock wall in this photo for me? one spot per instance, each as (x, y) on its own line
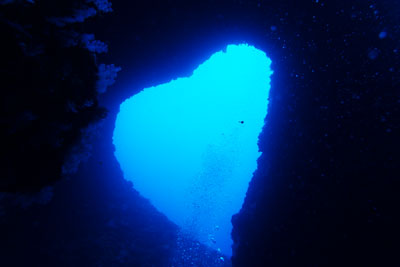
(49, 88)
(326, 191)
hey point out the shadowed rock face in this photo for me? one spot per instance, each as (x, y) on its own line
(325, 192)
(49, 92)
(201, 133)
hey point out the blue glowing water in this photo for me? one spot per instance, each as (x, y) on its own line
(190, 145)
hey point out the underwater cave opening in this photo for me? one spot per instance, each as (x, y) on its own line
(190, 145)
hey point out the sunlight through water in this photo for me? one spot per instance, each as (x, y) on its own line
(190, 145)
